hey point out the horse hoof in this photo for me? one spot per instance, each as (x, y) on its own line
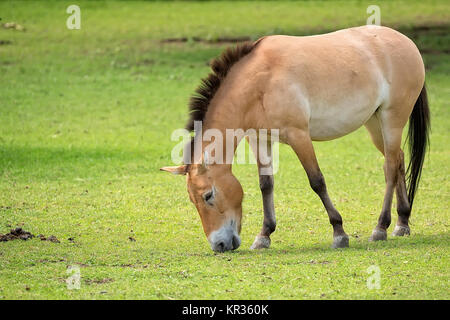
(261, 242)
(340, 242)
(378, 234)
(401, 231)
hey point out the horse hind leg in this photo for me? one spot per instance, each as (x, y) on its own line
(403, 206)
(394, 169)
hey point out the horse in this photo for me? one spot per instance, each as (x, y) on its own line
(310, 88)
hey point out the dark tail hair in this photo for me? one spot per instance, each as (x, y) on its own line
(418, 140)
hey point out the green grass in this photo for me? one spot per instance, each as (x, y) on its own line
(85, 124)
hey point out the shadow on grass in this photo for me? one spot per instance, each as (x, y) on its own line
(50, 161)
(416, 242)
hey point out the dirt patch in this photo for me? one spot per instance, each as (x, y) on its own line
(13, 26)
(130, 265)
(435, 51)
(438, 30)
(216, 40)
(52, 260)
(15, 234)
(319, 262)
(19, 233)
(98, 281)
(51, 238)
(429, 38)
(144, 62)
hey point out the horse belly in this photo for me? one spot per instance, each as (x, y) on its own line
(331, 121)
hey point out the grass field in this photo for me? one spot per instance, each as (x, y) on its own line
(85, 123)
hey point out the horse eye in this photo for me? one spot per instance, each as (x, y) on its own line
(209, 197)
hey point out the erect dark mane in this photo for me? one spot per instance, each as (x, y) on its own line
(201, 99)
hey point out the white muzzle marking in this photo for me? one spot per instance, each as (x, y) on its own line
(226, 238)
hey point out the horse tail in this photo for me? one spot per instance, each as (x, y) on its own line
(418, 141)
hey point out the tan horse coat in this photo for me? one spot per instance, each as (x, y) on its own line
(311, 88)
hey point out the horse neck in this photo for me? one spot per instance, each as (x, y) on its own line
(223, 121)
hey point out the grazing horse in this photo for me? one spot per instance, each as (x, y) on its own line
(312, 88)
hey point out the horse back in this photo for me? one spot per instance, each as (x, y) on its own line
(337, 81)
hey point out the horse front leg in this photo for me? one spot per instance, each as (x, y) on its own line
(262, 240)
(301, 142)
(266, 182)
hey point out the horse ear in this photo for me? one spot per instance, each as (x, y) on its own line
(176, 170)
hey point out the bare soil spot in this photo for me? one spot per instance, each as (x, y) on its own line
(13, 26)
(15, 234)
(199, 39)
(319, 262)
(51, 238)
(439, 30)
(19, 233)
(98, 281)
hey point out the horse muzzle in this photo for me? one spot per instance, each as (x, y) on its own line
(224, 239)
